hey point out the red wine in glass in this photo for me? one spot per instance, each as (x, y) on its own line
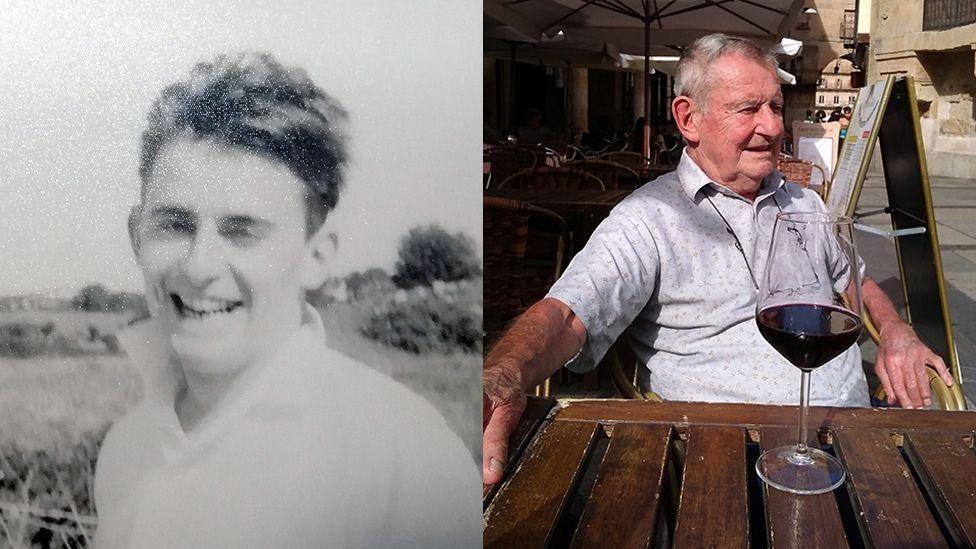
(809, 335)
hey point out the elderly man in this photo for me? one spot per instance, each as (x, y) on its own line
(252, 432)
(678, 262)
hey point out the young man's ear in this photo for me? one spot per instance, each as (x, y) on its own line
(134, 214)
(320, 250)
(686, 117)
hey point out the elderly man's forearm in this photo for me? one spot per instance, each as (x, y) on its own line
(538, 343)
(880, 307)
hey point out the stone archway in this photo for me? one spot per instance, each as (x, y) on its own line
(835, 89)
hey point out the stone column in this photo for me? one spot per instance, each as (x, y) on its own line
(489, 94)
(579, 97)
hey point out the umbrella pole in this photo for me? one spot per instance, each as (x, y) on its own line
(511, 85)
(647, 84)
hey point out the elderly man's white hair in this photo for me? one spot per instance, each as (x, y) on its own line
(694, 73)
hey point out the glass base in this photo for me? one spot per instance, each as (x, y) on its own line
(815, 472)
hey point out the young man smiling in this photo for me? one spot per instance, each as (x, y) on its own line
(252, 433)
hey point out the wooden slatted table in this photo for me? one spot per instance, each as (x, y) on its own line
(614, 473)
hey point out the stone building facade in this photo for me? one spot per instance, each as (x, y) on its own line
(934, 41)
(827, 33)
(836, 89)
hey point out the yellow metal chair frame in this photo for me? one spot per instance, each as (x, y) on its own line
(949, 398)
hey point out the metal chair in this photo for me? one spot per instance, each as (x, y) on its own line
(672, 152)
(632, 160)
(507, 160)
(623, 367)
(611, 173)
(801, 172)
(949, 398)
(553, 178)
(524, 253)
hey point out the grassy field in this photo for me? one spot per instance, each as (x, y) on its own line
(70, 321)
(55, 411)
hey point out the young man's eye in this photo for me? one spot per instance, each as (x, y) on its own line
(241, 232)
(238, 233)
(174, 225)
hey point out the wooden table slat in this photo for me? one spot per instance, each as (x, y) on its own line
(948, 468)
(892, 511)
(632, 471)
(714, 508)
(526, 509)
(798, 521)
(536, 410)
(704, 413)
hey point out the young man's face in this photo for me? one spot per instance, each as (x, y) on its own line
(221, 239)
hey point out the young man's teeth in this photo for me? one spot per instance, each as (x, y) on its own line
(207, 306)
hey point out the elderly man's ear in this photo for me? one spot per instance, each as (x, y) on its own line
(320, 251)
(686, 117)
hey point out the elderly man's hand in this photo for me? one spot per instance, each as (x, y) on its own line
(504, 402)
(900, 365)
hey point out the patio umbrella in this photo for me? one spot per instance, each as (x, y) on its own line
(647, 27)
(507, 42)
(668, 64)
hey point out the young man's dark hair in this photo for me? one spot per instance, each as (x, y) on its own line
(251, 102)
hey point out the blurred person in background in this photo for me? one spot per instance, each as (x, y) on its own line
(533, 132)
(635, 141)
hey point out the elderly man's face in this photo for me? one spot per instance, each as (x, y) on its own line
(221, 239)
(741, 129)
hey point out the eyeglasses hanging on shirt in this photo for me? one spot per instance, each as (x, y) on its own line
(806, 275)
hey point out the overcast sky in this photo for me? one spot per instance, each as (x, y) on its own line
(76, 83)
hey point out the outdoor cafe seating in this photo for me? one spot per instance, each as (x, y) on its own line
(552, 178)
(632, 160)
(614, 175)
(524, 252)
(504, 161)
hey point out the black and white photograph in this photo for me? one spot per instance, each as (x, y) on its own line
(241, 293)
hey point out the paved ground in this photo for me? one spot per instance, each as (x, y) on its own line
(954, 201)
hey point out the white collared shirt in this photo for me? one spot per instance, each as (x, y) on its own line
(307, 449)
(664, 264)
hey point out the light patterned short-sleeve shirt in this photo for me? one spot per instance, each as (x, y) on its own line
(665, 268)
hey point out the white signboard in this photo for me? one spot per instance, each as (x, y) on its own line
(820, 151)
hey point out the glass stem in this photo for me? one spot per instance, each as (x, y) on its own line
(801, 443)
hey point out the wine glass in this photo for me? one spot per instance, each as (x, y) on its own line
(808, 309)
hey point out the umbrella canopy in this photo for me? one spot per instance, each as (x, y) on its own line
(501, 40)
(646, 27)
(668, 64)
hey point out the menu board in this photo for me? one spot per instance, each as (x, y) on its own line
(888, 111)
(855, 153)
